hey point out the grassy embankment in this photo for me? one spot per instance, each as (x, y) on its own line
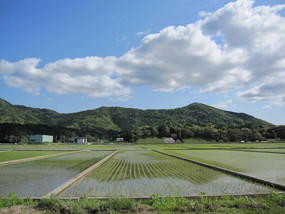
(148, 143)
(274, 203)
(15, 155)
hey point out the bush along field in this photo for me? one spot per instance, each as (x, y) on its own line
(272, 203)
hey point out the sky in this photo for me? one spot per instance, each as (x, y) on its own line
(74, 55)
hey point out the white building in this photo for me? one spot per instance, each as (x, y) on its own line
(120, 139)
(79, 140)
(41, 138)
(168, 140)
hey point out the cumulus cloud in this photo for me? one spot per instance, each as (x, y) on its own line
(271, 89)
(236, 47)
(93, 76)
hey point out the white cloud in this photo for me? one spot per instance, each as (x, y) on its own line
(93, 76)
(28, 85)
(124, 38)
(175, 57)
(223, 105)
(141, 33)
(236, 47)
(271, 90)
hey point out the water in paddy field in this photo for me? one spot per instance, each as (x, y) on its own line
(37, 178)
(143, 173)
(261, 164)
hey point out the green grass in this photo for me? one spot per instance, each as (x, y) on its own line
(273, 203)
(150, 140)
(155, 143)
(281, 151)
(211, 145)
(15, 155)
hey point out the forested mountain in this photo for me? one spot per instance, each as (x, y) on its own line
(117, 118)
(196, 120)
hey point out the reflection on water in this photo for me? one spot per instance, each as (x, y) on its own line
(37, 178)
(132, 174)
(267, 166)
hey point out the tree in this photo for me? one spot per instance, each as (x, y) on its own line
(186, 132)
(154, 131)
(164, 130)
(235, 135)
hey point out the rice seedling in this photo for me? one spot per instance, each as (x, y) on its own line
(268, 166)
(143, 173)
(36, 178)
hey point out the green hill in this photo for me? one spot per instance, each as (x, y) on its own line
(117, 118)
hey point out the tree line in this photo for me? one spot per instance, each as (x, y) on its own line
(208, 132)
(19, 133)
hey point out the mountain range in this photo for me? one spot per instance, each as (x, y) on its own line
(118, 118)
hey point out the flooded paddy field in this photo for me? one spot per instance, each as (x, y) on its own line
(143, 173)
(136, 171)
(36, 178)
(184, 146)
(15, 155)
(281, 151)
(264, 165)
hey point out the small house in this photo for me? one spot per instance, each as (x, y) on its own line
(168, 140)
(120, 139)
(79, 140)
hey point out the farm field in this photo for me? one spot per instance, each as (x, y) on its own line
(143, 173)
(136, 146)
(15, 155)
(281, 151)
(209, 145)
(267, 166)
(136, 171)
(36, 178)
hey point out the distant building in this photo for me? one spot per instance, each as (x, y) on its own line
(120, 139)
(79, 140)
(41, 138)
(168, 140)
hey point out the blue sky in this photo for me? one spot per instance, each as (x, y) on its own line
(72, 55)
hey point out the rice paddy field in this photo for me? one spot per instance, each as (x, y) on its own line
(15, 155)
(143, 173)
(281, 151)
(138, 171)
(36, 178)
(258, 163)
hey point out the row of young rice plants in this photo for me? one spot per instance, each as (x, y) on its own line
(143, 173)
(15, 155)
(267, 166)
(281, 151)
(37, 178)
(196, 144)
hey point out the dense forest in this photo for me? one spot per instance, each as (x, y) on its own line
(18, 133)
(208, 132)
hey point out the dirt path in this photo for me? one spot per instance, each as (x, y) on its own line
(5, 163)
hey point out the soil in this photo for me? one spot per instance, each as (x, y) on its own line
(19, 209)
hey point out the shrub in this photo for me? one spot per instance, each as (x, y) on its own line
(53, 204)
